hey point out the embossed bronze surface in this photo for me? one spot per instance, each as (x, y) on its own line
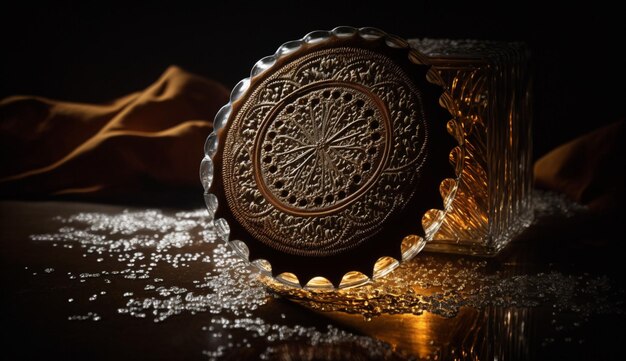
(332, 156)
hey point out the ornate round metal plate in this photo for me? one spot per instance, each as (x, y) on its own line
(318, 157)
(324, 149)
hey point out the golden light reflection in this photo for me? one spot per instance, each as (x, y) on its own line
(434, 284)
(416, 335)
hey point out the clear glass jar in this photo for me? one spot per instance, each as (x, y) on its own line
(488, 91)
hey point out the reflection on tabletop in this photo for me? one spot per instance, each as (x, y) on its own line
(98, 281)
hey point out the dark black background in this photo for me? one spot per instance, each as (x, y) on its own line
(88, 52)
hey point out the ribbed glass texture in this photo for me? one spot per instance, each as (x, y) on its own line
(488, 92)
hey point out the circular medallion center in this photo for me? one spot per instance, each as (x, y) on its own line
(321, 147)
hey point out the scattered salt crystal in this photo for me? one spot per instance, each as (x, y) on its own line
(89, 316)
(140, 243)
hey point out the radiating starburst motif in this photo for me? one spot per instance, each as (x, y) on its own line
(323, 147)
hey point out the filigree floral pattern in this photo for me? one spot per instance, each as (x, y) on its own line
(324, 150)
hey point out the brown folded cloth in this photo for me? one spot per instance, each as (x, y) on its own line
(588, 169)
(146, 146)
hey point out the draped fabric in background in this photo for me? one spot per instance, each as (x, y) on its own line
(588, 169)
(147, 146)
(143, 147)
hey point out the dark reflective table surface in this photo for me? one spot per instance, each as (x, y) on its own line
(91, 281)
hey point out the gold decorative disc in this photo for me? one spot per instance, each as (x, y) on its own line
(330, 154)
